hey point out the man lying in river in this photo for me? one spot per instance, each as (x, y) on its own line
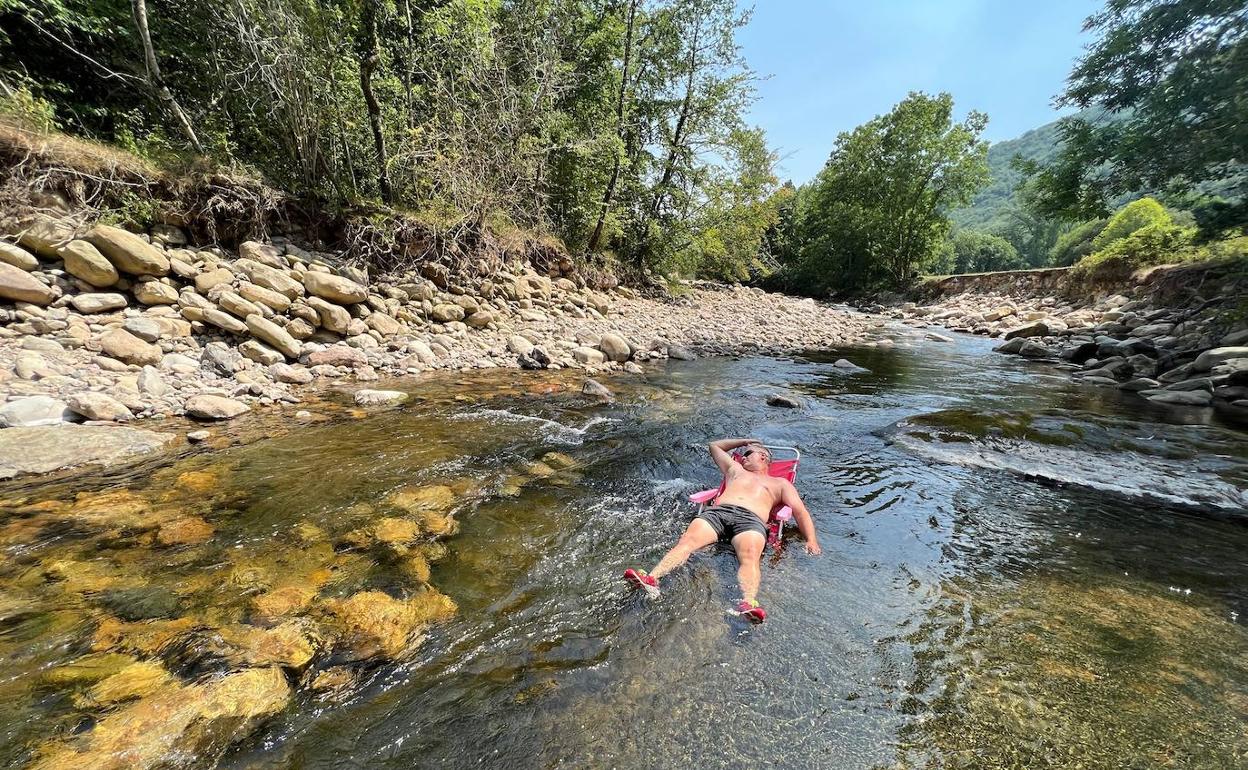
(738, 516)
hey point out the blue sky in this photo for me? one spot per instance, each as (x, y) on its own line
(836, 64)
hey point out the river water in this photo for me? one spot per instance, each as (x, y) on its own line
(1018, 571)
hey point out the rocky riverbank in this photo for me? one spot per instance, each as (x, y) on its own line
(1176, 336)
(103, 325)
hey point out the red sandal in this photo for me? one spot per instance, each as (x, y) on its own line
(750, 610)
(639, 579)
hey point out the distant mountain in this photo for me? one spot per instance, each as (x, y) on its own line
(1039, 144)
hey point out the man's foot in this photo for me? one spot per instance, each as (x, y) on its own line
(640, 579)
(752, 610)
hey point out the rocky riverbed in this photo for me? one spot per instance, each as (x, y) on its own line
(1183, 348)
(102, 325)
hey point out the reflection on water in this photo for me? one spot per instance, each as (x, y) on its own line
(1016, 573)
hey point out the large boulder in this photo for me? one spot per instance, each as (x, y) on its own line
(1211, 358)
(124, 346)
(334, 288)
(264, 253)
(1032, 329)
(20, 286)
(615, 347)
(383, 324)
(206, 406)
(267, 331)
(52, 447)
(83, 260)
(128, 252)
(205, 282)
(588, 356)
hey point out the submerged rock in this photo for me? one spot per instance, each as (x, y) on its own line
(179, 727)
(781, 400)
(372, 623)
(379, 397)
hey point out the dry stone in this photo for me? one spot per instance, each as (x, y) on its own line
(263, 253)
(269, 332)
(272, 299)
(223, 320)
(45, 236)
(615, 347)
(155, 293)
(33, 411)
(204, 282)
(206, 406)
(18, 257)
(331, 317)
(233, 303)
(271, 278)
(97, 303)
(128, 252)
(124, 346)
(334, 288)
(83, 260)
(99, 406)
(20, 286)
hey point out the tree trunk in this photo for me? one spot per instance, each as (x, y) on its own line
(155, 82)
(609, 194)
(370, 57)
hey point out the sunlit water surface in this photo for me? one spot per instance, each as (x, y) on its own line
(1018, 571)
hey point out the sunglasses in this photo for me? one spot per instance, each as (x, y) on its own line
(749, 452)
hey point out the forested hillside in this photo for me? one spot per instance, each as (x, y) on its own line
(1039, 144)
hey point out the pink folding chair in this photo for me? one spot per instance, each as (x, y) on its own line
(780, 514)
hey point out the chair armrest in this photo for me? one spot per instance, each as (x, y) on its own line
(783, 513)
(705, 496)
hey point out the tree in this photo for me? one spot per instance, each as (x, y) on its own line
(1169, 77)
(878, 209)
(973, 251)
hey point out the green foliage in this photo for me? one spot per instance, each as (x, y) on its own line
(875, 214)
(1170, 76)
(972, 251)
(623, 118)
(1156, 243)
(1073, 245)
(1134, 216)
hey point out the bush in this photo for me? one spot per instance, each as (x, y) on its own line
(1130, 218)
(1075, 244)
(1155, 244)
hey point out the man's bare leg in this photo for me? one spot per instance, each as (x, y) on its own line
(749, 547)
(699, 534)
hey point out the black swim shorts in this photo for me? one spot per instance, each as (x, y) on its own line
(730, 520)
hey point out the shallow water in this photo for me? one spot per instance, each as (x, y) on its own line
(1018, 571)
